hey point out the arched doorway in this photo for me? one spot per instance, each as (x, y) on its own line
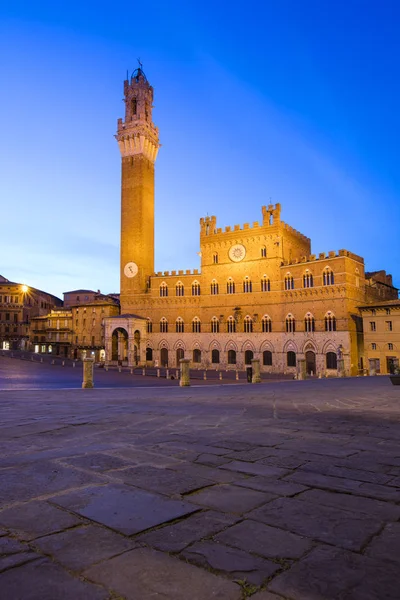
(310, 362)
(179, 355)
(119, 345)
(149, 354)
(164, 357)
(248, 357)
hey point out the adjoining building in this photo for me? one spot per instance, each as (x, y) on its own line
(19, 304)
(260, 292)
(77, 329)
(381, 324)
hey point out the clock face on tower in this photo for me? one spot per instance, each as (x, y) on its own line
(237, 252)
(130, 269)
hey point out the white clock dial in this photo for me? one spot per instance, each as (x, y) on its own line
(131, 269)
(237, 252)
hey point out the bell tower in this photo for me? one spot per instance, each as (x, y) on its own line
(138, 142)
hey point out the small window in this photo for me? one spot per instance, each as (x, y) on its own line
(263, 251)
(372, 326)
(196, 355)
(215, 258)
(291, 358)
(373, 312)
(388, 311)
(215, 356)
(267, 358)
(388, 326)
(331, 360)
(373, 346)
(390, 346)
(231, 357)
(149, 328)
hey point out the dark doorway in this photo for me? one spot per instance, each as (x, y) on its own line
(179, 355)
(248, 357)
(164, 357)
(310, 362)
(149, 354)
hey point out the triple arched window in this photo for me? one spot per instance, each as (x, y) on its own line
(248, 324)
(247, 286)
(289, 282)
(230, 286)
(330, 322)
(328, 277)
(149, 326)
(163, 290)
(266, 324)
(179, 289)
(163, 325)
(196, 325)
(308, 280)
(231, 325)
(290, 324)
(179, 325)
(214, 287)
(214, 325)
(265, 284)
(195, 288)
(309, 323)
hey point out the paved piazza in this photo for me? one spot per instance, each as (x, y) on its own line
(283, 490)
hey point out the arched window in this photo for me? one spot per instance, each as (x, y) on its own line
(263, 251)
(289, 282)
(214, 325)
(164, 357)
(328, 277)
(230, 286)
(214, 287)
(231, 357)
(179, 325)
(248, 324)
(163, 290)
(291, 359)
(309, 323)
(308, 280)
(195, 288)
(149, 354)
(266, 324)
(215, 258)
(163, 325)
(247, 287)
(265, 284)
(290, 324)
(215, 356)
(357, 278)
(180, 353)
(231, 325)
(180, 290)
(149, 326)
(248, 357)
(267, 358)
(196, 355)
(196, 325)
(331, 360)
(330, 322)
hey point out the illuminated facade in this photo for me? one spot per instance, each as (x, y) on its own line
(381, 322)
(260, 291)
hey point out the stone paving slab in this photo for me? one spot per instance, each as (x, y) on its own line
(232, 561)
(330, 573)
(34, 519)
(277, 487)
(123, 508)
(230, 498)
(147, 574)
(44, 580)
(386, 546)
(97, 462)
(162, 481)
(324, 523)
(255, 469)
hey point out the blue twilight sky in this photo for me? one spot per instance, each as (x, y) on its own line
(290, 101)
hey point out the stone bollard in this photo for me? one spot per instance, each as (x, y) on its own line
(32, 358)
(158, 372)
(220, 375)
(53, 362)
(41, 360)
(255, 365)
(237, 375)
(63, 363)
(340, 367)
(88, 373)
(185, 374)
(167, 374)
(177, 374)
(132, 371)
(205, 375)
(119, 369)
(143, 372)
(301, 368)
(106, 367)
(73, 365)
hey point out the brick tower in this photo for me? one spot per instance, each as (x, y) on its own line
(138, 142)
